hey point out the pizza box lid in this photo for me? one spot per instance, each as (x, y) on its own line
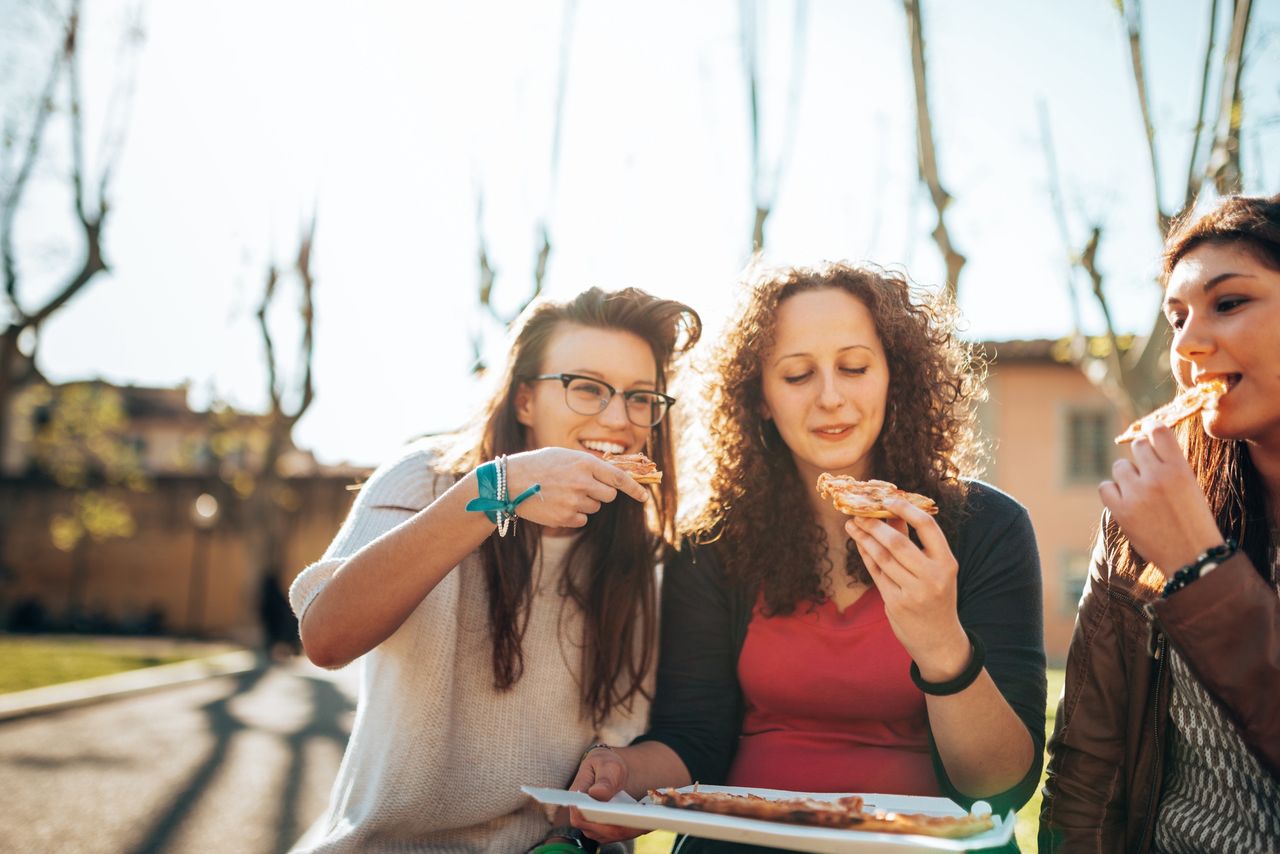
(625, 811)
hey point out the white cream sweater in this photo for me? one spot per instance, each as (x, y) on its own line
(437, 755)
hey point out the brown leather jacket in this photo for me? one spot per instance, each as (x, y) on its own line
(1109, 740)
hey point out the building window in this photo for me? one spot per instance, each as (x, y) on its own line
(1089, 445)
(1075, 572)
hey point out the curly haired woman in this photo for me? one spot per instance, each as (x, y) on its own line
(803, 650)
(1167, 736)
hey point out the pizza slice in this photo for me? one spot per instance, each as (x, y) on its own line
(1189, 401)
(942, 826)
(867, 498)
(844, 813)
(640, 467)
(811, 811)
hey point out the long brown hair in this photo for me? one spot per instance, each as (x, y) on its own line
(759, 513)
(1231, 483)
(618, 548)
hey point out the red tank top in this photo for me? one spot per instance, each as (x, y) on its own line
(829, 704)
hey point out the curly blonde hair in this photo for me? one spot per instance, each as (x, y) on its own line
(759, 512)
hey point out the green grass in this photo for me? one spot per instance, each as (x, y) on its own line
(1029, 815)
(38, 661)
(660, 841)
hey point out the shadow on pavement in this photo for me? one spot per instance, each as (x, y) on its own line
(58, 764)
(328, 707)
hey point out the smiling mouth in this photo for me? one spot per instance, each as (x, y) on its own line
(833, 432)
(603, 447)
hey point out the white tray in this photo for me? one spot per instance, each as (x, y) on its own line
(822, 840)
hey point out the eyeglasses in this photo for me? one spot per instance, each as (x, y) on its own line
(590, 396)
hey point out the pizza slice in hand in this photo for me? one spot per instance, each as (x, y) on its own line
(641, 468)
(1189, 402)
(854, 497)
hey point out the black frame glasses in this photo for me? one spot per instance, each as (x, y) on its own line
(637, 401)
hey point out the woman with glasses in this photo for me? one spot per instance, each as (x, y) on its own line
(803, 650)
(498, 587)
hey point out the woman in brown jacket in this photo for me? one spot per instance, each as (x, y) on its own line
(1168, 730)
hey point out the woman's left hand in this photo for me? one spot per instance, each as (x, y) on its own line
(918, 585)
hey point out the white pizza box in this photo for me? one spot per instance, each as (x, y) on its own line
(643, 815)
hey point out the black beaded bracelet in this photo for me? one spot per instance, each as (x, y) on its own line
(964, 680)
(1189, 573)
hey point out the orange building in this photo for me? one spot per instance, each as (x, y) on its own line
(1052, 434)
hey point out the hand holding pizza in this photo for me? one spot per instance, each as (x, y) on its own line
(575, 484)
(1158, 504)
(918, 585)
(601, 775)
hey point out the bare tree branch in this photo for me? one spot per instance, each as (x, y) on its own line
(767, 177)
(1060, 217)
(1224, 160)
(92, 265)
(927, 160)
(487, 272)
(539, 267)
(1195, 175)
(268, 345)
(8, 212)
(119, 105)
(799, 34)
(77, 118)
(750, 67)
(1088, 260)
(1133, 21)
(303, 266)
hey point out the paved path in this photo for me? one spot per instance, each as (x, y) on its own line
(231, 764)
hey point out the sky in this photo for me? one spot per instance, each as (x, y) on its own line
(391, 119)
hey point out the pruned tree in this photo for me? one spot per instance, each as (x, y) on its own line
(766, 172)
(253, 454)
(1136, 378)
(926, 150)
(27, 149)
(488, 274)
(272, 502)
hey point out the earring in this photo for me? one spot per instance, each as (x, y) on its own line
(761, 429)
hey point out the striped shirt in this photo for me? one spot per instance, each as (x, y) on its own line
(1217, 796)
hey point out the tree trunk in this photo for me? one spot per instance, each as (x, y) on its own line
(8, 370)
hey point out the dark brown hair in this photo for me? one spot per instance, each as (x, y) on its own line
(759, 513)
(1223, 467)
(618, 547)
